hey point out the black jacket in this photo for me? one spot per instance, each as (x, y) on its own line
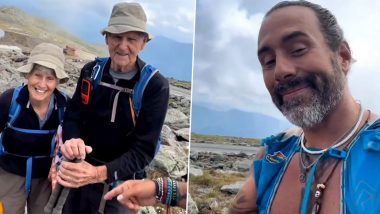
(123, 148)
(24, 143)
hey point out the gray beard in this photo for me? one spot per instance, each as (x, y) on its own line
(310, 111)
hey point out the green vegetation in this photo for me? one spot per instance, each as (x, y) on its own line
(214, 180)
(223, 139)
(180, 83)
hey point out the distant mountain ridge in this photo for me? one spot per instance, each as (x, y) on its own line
(172, 58)
(234, 123)
(32, 30)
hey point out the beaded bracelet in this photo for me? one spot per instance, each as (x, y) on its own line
(167, 191)
(174, 194)
(170, 191)
(159, 188)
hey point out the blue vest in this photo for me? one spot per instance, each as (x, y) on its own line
(360, 190)
(30, 144)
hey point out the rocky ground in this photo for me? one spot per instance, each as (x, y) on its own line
(173, 156)
(216, 178)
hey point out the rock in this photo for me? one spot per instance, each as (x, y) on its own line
(167, 133)
(175, 116)
(241, 155)
(172, 160)
(191, 205)
(217, 158)
(171, 142)
(183, 134)
(19, 58)
(195, 171)
(232, 188)
(225, 210)
(147, 210)
(10, 48)
(213, 203)
(173, 105)
(205, 190)
(180, 124)
(219, 166)
(185, 103)
(243, 165)
(194, 156)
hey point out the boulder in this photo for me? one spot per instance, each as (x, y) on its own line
(183, 134)
(191, 205)
(195, 171)
(243, 165)
(232, 188)
(175, 116)
(167, 133)
(172, 160)
(147, 210)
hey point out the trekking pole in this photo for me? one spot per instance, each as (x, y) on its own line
(58, 198)
(53, 199)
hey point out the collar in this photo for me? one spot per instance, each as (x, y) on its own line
(23, 97)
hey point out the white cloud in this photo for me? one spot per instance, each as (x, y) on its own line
(183, 29)
(227, 74)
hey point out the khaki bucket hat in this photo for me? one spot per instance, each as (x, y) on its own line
(50, 56)
(126, 17)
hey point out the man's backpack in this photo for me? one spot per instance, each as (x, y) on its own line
(89, 84)
(93, 80)
(136, 94)
(14, 111)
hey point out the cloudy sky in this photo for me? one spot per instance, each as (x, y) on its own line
(227, 74)
(85, 18)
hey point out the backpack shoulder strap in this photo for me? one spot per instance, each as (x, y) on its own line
(15, 107)
(97, 70)
(147, 73)
(61, 109)
(14, 110)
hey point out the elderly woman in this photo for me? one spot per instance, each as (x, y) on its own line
(29, 117)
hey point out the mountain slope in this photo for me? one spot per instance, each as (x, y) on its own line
(26, 31)
(234, 123)
(172, 58)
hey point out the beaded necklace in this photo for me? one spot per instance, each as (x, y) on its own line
(324, 154)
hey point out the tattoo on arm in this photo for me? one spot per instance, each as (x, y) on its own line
(182, 196)
(182, 199)
(239, 205)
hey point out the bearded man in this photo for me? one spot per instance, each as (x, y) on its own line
(328, 164)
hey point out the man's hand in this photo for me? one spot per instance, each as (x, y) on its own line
(75, 175)
(134, 193)
(75, 149)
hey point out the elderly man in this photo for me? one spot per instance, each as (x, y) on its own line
(115, 118)
(328, 164)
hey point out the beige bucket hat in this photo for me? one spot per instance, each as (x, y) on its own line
(126, 17)
(50, 56)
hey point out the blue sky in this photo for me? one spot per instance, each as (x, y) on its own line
(85, 18)
(227, 74)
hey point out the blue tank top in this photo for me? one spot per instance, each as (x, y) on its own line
(360, 189)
